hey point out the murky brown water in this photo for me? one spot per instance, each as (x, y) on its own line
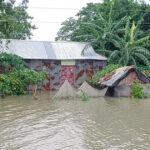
(97, 124)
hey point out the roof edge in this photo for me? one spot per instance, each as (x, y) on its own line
(45, 41)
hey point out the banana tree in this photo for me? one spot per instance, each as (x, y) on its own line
(102, 30)
(129, 49)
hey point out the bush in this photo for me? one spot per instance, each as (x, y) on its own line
(11, 62)
(28, 76)
(16, 77)
(143, 68)
(16, 83)
(138, 91)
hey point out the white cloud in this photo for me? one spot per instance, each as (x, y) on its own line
(47, 31)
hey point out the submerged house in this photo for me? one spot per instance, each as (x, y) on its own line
(119, 82)
(74, 61)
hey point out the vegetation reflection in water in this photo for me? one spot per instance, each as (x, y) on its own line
(103, 123)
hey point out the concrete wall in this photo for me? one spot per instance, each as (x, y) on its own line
(122, 91)
(147, 89)
(119, 91)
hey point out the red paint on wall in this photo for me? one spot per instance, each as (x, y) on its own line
(53, 68)
(46, 86)
(84, 71)
(57, 74)
(67, 73)
(80, 74)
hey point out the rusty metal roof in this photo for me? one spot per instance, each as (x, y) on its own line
(113, 79)
(52, 50)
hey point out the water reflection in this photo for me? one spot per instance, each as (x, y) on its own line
(45, 124)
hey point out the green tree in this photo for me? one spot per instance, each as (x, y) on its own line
(121, 8)
(105, 28)
(130, 49)
(15, 23)
(102, 31)
(71, 27)
(68, 30)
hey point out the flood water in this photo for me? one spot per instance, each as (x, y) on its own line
(97, 124)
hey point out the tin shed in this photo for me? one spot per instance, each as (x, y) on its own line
(63, 60)
(119, 82)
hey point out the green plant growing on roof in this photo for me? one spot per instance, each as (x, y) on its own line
(96, 78)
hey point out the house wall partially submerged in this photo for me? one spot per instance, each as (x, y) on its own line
(119, 91)
(58, 71)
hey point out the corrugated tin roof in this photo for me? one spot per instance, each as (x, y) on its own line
(52, 50)
(113, 78)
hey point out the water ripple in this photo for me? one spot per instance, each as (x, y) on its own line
(107, 124)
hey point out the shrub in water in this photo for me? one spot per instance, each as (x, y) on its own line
(16, 83)
(16, 77)
(85, 96)
(138, 91)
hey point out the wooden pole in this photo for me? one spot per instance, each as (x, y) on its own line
(34, 92)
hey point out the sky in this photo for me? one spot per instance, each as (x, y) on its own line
(47, 31)
(48, 19)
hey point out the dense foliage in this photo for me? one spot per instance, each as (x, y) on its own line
(121, 8)
(10, 62)
(118, 29)
(16, 83)
(16, 78)
(129, 49)
(15, 23)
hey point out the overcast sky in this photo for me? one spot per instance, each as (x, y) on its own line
(43, 17)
